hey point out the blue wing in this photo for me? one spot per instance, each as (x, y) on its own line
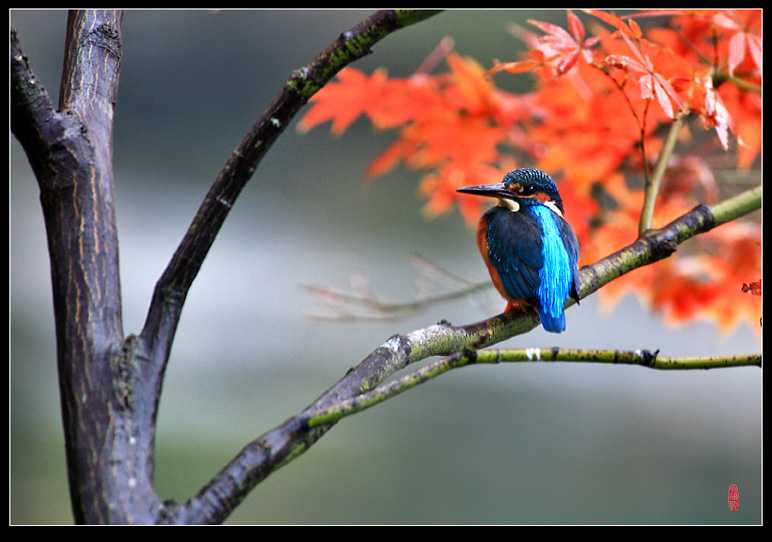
(515, 251)
(536, 255)
(572, 247)
(559, 276)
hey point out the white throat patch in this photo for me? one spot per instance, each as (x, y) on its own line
(554, 207)
(510, 204)
(514, 206)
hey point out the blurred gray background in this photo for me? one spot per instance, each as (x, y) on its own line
(521, 443)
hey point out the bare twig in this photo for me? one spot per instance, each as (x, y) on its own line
(362, 304)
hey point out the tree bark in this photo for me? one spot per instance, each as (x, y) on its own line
(110, 385)
(108, 446)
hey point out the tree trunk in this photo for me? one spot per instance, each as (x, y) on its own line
(109, 447)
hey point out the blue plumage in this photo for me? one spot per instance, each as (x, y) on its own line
(530, 250)
(556, 275)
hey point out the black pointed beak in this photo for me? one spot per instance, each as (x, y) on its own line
(488, 190)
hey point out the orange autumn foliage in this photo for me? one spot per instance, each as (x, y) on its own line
(599, 87)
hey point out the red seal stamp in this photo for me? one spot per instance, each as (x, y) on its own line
(734, 498)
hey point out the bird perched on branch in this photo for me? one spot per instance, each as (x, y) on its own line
(531, 252)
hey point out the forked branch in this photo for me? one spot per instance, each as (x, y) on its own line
(359, 388)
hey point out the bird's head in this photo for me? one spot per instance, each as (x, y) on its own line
(519, 184)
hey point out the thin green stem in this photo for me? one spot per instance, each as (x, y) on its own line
(737, 206)
(653, 183)
(466, 357)
(643, 358)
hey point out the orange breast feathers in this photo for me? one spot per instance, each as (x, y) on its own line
(482, 244)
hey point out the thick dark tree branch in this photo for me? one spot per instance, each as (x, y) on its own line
(172, 288)
(111, 385)
(277, 447)
(70, 151)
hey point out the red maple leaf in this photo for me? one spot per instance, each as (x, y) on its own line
(744, 37)
(652, 83)
(458, 129)
(344, 100)
(632, 29)
(562, 47)
(716, 114)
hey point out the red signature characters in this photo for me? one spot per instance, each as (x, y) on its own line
(734, 498)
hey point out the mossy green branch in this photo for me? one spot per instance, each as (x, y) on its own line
(352, 45)
(737, 206)
(653, 246)
(657, 244)
(466, 357)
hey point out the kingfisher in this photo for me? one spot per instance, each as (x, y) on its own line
(529, 249)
